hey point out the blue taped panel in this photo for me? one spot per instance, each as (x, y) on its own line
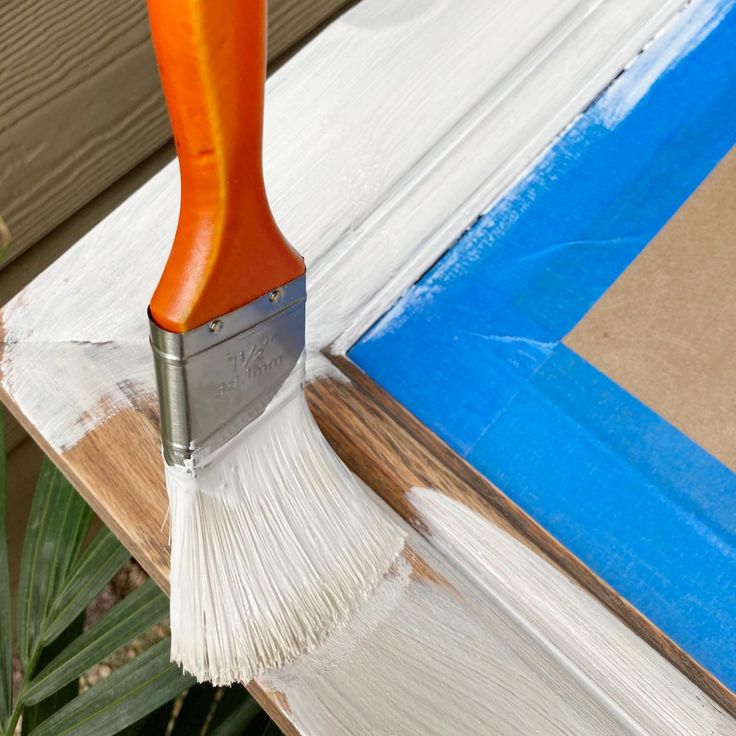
(641, 504)
(474, 349)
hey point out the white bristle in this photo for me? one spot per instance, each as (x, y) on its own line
(273, 543)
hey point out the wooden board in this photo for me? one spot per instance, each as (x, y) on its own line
(38, 159)
(365, 423)
(475, 348)
(81, 103)
(478, 629)
(455, 604)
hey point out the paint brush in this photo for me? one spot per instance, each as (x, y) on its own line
(273, 540)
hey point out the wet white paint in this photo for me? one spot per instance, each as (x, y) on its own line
(498, 641)
(420, 659)
(385, 137)
(595, 642)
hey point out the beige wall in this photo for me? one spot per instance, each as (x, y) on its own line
(80, 102)
(82, 125)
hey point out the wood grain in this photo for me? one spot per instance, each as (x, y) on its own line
(367, 425)
(80, 102)
(390, 125)
(291, 22)
(4, 236)
(393, 452)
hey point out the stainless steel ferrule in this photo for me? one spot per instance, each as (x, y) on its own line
(216, 379)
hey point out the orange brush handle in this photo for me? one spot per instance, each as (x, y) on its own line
(228, 250)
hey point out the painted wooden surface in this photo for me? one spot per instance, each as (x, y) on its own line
(398, 457)
(476, 627)
(642, 503)
(460, 639)
(80, 102)
(112, 81)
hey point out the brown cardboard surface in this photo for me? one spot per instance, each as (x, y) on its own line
(666, 330)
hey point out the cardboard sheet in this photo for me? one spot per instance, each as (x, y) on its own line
(666, 330)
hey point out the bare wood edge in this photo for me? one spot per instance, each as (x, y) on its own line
(273, 703)
(359, 416)
(390, 450)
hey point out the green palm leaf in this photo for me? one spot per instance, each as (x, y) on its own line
(154, 724)
(57, 582)
(100, 561)
(126, 696)
(57, 526)
(39, 712)
(130, 618)
(198, 705)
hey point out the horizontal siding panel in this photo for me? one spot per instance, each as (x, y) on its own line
(80, 102)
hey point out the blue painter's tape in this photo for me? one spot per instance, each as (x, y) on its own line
(474, 349)
(639, 502)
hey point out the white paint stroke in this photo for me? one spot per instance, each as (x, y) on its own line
(274, 543)
(652, 693)
(319, 366)
(679, 37)
(385, 137)
(497, 640)
(420, 659)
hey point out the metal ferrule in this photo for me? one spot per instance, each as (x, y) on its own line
(216, 379)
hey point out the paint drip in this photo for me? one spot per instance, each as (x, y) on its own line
(274, 543)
